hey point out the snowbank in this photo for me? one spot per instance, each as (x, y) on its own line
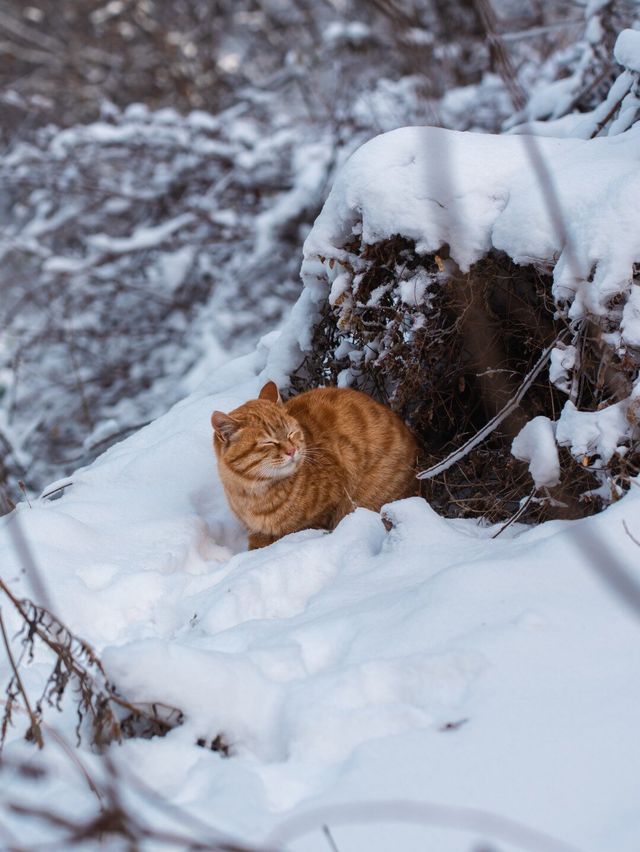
(477, 192)
(429, 662)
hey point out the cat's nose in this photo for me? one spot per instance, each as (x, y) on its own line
(291, 451)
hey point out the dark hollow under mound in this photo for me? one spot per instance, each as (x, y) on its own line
(448, 364)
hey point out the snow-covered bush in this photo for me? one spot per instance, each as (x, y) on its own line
(577, 78)
(443, 274)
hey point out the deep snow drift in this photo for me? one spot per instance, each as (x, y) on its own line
(429, 662)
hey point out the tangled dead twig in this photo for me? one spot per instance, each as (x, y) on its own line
(115, 818)
(76, 664)
(16, 686)
(495, 421)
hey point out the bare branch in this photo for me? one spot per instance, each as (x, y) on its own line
(483, 433)
(420, 813)
(35, 732)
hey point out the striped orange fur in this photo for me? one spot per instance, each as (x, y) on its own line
(310, 461)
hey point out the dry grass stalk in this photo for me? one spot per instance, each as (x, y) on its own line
(76, 666)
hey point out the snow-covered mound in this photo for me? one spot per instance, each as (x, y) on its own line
(474, 192)
(477, 192)
(427, 662)
(564, 207)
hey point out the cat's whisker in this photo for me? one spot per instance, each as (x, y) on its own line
(318, 455)
(318, 458)
(316, 463)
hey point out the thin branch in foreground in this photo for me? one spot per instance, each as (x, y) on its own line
(630, 534)
(327, 833)
(35, 732)
(421, 813)
(603, 562)
(112, 717)
(117, 819)
(27, 559)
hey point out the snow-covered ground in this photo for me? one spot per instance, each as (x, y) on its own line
(428, 682)
(426, 663)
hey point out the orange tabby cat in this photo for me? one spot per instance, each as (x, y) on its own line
(310, 461)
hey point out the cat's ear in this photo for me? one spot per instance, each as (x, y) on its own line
(271, 393)
(224, 425)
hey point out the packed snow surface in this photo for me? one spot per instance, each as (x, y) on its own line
(476, 192)
(428, 662)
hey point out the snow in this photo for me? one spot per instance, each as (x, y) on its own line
(627, 50)
(595, 433)
(340, 285)
(355, 31)
(536, 444)
(424, 663)
(562, 361)
(630, 324)
(400, 182)
(475, 192)
(310, 169)
(142, 238)
(440, 672)
(413, 290)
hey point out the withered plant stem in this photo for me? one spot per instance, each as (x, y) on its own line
(89, 690)
(35, 729)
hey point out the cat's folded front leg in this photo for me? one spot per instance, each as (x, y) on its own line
(258, 540)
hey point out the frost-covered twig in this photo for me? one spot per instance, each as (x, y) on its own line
(523, 508)
(77, 664)
(56, 488)
(616, 103)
